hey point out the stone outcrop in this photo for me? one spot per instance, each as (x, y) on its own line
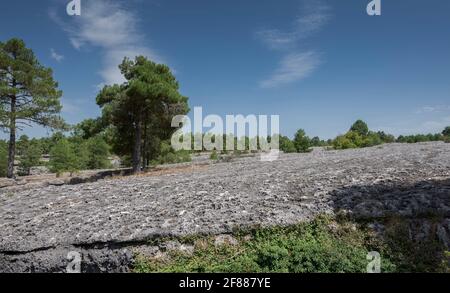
(107, 219)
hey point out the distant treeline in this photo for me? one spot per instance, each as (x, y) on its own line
(358, 136)
(89, 147)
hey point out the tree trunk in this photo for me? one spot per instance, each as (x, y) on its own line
(12, 139)
(137, 146)
(144, 149)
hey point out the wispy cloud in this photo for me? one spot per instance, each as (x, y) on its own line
(297, 64)
(433, 109)
(293, 67)
(314, 15)
(55, 55)
(107, 25)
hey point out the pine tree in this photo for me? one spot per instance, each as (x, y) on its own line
(142, 107)
(28, 94)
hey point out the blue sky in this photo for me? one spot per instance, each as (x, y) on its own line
(320, 65)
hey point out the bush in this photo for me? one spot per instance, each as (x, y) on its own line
(359, 136)
(342, 143)
(420, 138)
(63, 158)
(98, 153)
(30, 156)
(307, 247)
(386, 138)
(167, 155)
(360, 127)
(287, 145)
(372, 139)
(302, 142)
(317, 142)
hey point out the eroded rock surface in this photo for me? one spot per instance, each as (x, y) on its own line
(105, 219)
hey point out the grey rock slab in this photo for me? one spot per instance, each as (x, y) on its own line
(404, 179)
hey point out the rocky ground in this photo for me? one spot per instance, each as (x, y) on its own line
(109, 220)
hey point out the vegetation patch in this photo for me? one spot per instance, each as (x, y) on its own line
(323, 245)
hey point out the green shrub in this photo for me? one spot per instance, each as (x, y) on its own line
(372, 139)
(30, 156)
(386, 138)
(287, 145)
(98, 153)
(302, 142)
(167, 155)
(63, 158)
(307, 247)
(359, 136)
(350, 140)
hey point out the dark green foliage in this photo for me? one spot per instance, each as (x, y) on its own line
(287, 145)
(140, 111)
(371, 139)
(426, 255)
(28, 94)
(307, 247)
(360, 137)
(89, 128)
(98, 153)
(167, 155)
(30, 156)
(446, 131)
(360, 127)
(317, 142)
(63, 158)
(302, 142)
(386, 138)
(3, 158)
(420, 138)
(325, 245)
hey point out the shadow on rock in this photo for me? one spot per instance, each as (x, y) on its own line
(412, 219)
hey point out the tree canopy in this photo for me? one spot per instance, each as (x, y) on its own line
(360, 127)
(28, 93)
(141, 109)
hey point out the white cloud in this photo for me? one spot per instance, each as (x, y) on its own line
(433, 109)
(313, 17)
(297, 64)
(56, 56)
(112, 28)
(293, 67)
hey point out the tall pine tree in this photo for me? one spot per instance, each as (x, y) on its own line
(28, 94)
(142, 108)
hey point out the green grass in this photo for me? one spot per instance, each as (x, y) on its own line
(323, 245)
